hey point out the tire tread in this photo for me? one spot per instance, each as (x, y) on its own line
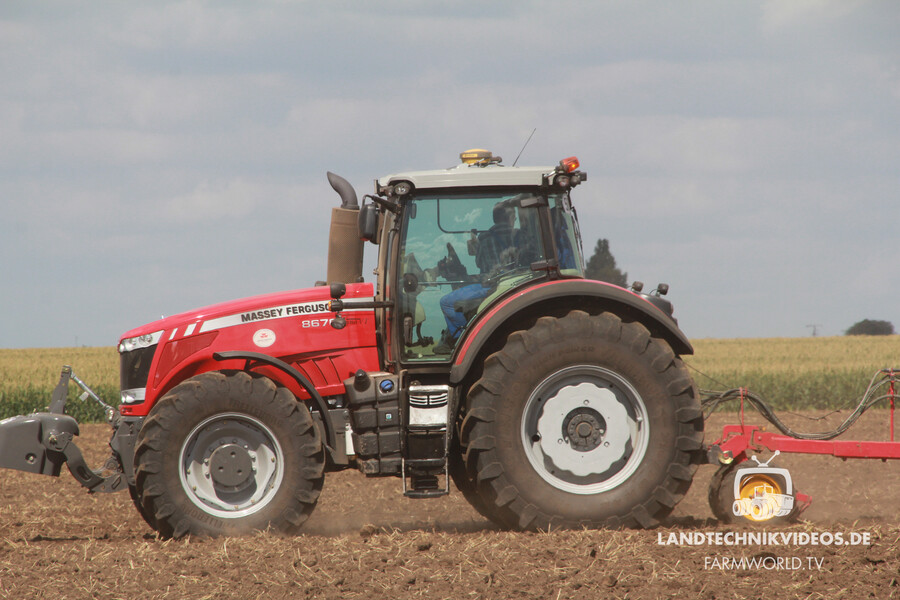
(502, 500)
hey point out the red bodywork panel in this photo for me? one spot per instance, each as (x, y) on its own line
(292, 326)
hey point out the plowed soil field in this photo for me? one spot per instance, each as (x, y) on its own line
(365, 540)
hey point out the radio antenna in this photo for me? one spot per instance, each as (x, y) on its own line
(523, 146)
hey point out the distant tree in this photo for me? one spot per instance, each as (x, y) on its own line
(602, 265)
(870, 327)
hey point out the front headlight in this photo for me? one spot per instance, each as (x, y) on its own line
(133, 396)
(142, 341)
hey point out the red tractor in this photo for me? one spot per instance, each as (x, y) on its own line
(481, 355)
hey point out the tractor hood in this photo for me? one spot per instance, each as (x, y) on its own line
(266, 307)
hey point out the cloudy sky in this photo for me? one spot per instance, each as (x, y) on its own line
(161, 156)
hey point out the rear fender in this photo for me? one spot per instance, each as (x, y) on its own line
(488, 332)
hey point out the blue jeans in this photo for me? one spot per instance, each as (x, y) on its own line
(456, 321)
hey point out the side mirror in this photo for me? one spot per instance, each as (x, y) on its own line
(368, 222)
(337, 290)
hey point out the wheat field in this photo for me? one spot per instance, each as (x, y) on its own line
(809, 373)
(795, 373)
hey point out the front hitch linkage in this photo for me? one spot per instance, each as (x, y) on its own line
(41, 442)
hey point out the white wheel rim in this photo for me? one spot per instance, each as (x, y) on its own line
(585, 429)
(231, 465)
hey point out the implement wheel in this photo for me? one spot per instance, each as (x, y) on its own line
(760, 497)
(582, 421)
(226, 453)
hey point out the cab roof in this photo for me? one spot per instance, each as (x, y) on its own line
(464, 175)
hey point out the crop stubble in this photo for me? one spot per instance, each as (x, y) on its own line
(366, 541)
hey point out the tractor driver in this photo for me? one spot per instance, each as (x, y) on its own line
(495, 251)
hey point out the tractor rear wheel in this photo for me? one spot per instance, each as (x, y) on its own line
(226, 453)
(582, 421)
(464, 483)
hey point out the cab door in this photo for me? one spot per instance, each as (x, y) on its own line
(446, 278)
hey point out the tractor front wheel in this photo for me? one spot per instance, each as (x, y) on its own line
(225, 453)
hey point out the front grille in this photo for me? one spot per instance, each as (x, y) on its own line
(428, 396)
(134, 367)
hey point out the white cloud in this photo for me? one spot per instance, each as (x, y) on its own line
(164, 148)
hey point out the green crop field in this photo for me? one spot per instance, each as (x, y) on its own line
(791, 373)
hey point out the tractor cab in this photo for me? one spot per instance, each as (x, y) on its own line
(454, 241)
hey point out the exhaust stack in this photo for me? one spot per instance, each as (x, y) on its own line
(345, 249)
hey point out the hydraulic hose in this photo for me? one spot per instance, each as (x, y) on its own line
(874, 394)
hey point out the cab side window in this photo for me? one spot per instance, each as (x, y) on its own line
(458, 253)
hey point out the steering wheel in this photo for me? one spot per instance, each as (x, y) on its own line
(453, 257)
(451, 267)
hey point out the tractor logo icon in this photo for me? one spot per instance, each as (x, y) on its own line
(763, 492)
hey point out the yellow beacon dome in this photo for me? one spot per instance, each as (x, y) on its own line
(476, 156)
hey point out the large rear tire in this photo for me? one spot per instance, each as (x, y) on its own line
(582, 421)
(464, 483)
(226, 453)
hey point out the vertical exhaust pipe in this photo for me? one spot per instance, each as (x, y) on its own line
(344, 190)
(345, 249)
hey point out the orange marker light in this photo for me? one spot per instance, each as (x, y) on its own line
(570, 164)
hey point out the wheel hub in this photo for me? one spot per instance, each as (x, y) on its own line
(577, 408)
(231, 466)
(584, 429)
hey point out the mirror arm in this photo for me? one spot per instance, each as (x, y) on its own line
(387, 204)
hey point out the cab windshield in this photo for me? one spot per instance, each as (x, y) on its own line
(461, 251)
